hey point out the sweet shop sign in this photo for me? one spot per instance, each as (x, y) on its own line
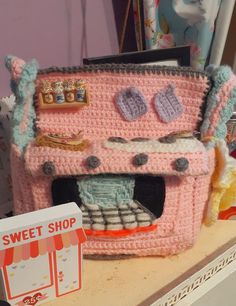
(40, 254)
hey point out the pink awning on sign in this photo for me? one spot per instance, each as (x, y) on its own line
(40, 247)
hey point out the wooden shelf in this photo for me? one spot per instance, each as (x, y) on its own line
(142, 281)
(65, 105)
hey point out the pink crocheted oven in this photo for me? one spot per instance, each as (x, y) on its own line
(120, 141)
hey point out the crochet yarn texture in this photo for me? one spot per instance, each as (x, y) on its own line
(143, 181)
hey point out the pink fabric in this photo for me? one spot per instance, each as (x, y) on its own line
(17, 67)
(181, 220)
(177, 228)
(101, 118)
(112, 161)
(29, 193)
(22, 195)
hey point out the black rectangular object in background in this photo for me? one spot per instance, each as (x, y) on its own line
(181, 54)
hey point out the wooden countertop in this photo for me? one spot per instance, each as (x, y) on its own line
(129, 282)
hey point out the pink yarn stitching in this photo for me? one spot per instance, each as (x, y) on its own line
(101, 120)
(17, 67)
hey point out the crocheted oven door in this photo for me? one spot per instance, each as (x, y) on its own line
(120, 142)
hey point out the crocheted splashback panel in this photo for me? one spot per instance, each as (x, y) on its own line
(119, 100)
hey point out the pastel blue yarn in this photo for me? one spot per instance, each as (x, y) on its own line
(8, 60)
(23, 91)
(211, 68)
(106, 191)
(220, 76)
(225, 114)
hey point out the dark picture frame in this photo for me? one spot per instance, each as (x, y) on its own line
(180, 54)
